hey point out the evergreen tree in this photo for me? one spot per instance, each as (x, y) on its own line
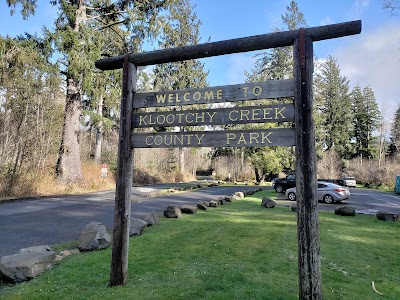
(181, 29)
(357, 100)
(74, 38)
(333, 105)
(366, 121)
(103, 92)
(275, 64)
(394, 147)
(30, 111)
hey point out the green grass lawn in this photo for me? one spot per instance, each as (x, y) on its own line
(237, 251)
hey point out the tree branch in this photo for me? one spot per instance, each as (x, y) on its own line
(109, 25)
(107, 14)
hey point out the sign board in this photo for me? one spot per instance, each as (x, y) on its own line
(220, 116)
(104, 170)
(222, 138)
(303, 137)
(219, 94)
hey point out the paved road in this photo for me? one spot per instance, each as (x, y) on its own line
(53, 220)
(60, 219)
(364, 201)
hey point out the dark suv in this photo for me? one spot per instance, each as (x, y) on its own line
(280, 185)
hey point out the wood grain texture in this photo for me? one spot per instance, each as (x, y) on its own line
(223, 138)
(306, 175)
(221, 116)
(122, 209)
(219, 94)
(251, 43)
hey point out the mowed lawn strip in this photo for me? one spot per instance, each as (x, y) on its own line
(237, 251)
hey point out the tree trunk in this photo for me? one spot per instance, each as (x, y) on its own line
(181, 155)
(256, 172)
(69, 163)
(69, 167)
(99, 132)
(181, 160)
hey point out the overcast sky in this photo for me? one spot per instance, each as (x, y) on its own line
(371, 58)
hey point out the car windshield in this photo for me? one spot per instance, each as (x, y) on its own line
(349, 178)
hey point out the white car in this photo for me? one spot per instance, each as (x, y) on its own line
(326, 191)
(349, 181)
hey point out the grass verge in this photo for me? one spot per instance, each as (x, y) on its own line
(237, 251)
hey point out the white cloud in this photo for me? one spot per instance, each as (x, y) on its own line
(373, 59)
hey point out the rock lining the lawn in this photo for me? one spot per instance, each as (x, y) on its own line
(152, 219)
(347, 211)
(94, 237)
(28, 264)
(213, 203)
(202, 205)
(172, 211)
(137, 226)
(386, 216)
(189, 209)
(268, 202)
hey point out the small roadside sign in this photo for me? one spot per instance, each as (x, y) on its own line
(104, 170)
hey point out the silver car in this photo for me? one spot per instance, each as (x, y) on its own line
(326, 191)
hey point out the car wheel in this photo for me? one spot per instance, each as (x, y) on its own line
(278, 188)
(292, 196)
(328, 199)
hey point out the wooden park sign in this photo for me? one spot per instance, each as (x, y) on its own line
(302, 135)
(221, 116)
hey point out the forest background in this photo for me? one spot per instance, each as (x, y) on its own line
(59, 115)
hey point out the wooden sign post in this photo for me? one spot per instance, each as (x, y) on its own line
(306, 172)
(302, 136)
(122, 210)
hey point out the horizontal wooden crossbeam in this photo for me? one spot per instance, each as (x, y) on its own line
(245, 44)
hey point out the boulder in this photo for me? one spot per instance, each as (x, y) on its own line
(213, 203)
(137, 226)
(268, 202)
(153, 219)
(203, 205)
(385, 216)
(172, 211)
(229, 199)
(36, 249)
(94, 237)
(221, 201)
(345, 211)
(25, 266)
(249, 193)
(239, 194)
(189, 209)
